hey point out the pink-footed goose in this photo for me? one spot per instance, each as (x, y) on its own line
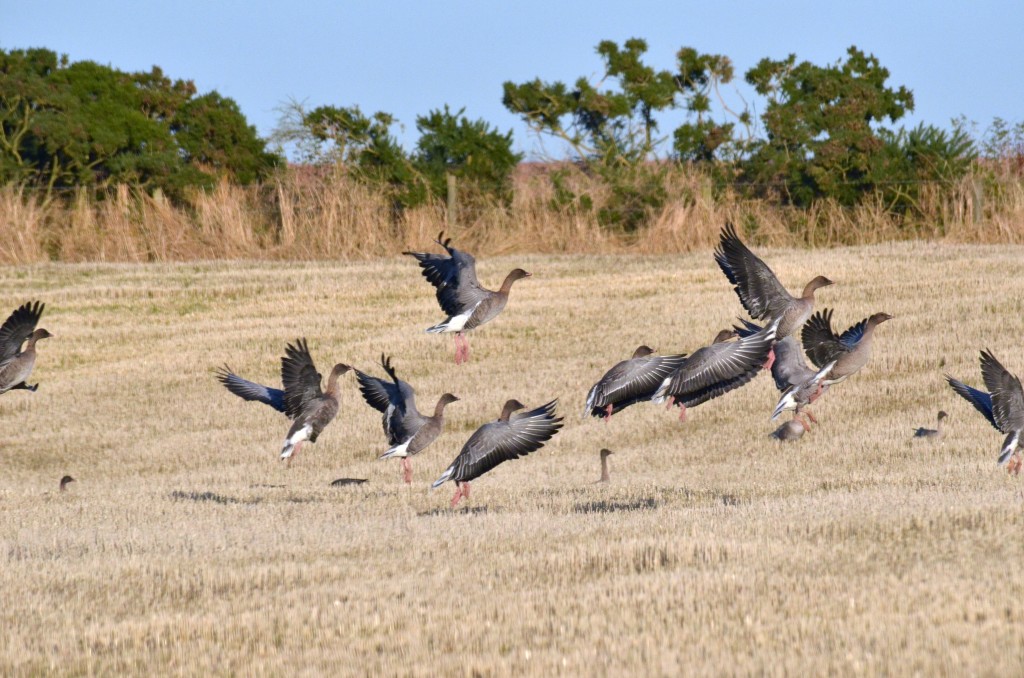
(408, 432)
(760, 291)
(510, 437)
(714, 370)
(16, 364)
(936, 433)
(630, 381)
(850, 350)
(301, 399)
(799, 384)
(460, 295)
(1003, 407)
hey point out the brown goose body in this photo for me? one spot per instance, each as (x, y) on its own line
(510, 437)
(934, 434)
(460, 294)
(630, 381)
(791, 430)
(311, 408)
(16, 365)
(715, 370)
(850, 350)
(759, 290)
(1002, 406)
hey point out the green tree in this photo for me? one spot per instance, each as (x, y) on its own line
(82, 124)
(822, 127)
(470, 150)
(612, 126)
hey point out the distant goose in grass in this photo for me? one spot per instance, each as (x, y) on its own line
(932, 433)
(1003, 407)
(791, 430)
(460, 294)
(715, 370)
(65, 481)
(510, 437)
(630, 381)
(799, 384)
(301, 399)
(344, 482)
(850, 351)
(605, 453)
(408, 431)
(760, 291)
(15, 364)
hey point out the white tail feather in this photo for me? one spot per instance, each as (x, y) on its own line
(295, 439)
(397, 451)
(445, 477)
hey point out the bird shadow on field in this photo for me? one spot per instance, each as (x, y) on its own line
(223, 499)
(464, 511)
(605, 506)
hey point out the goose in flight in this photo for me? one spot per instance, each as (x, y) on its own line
(408, 432)
(461, 296)
(513, 435)
(16, 364)
(1003, 406)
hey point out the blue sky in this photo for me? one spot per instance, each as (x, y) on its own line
(409, 57)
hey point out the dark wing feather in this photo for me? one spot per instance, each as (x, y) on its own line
(300, 379)
(852, 336)
(759, 290)
(1007, 395)
(979, 399)
(378, 393)
(631, 381)
(18, 327)
(820, 342)
(250, 390)
(789, 368)
(500, 441)
(454, 276)
(717, 369)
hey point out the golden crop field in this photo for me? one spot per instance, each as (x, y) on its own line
(186, 547)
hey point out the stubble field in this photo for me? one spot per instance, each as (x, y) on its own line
(185, 547)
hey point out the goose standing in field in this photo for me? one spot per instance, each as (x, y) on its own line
(510, 437)
(799, 384)
(630, 381)
(1003, 407)
(460, 294)
(791, 430)
(15, 364)
(850, 351)
(605, 453)
(932, 433)
(301, 398)
(408, 431)
(715, 370)
(760, 291)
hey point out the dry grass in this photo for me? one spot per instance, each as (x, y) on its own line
(305, 217)
(185, 548)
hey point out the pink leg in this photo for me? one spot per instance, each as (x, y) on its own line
(295, 453)
(771, 359)
(462, 491)
(807, 427)
(407, 470)
(810, 415)
(671, 402)
(682, 412)
(458, 348)
(608, 413)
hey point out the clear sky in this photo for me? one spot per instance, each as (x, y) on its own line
(408, 57)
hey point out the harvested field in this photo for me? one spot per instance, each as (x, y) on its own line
(184, 546)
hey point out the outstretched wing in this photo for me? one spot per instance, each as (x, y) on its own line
(454, 276)
(1007, 395)
(979, 399)
(18, 327)
(630, 382)
(501, 441)
(250, 390)
(300, 379)
(717, 369)
(759, 290)
(821, 342)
